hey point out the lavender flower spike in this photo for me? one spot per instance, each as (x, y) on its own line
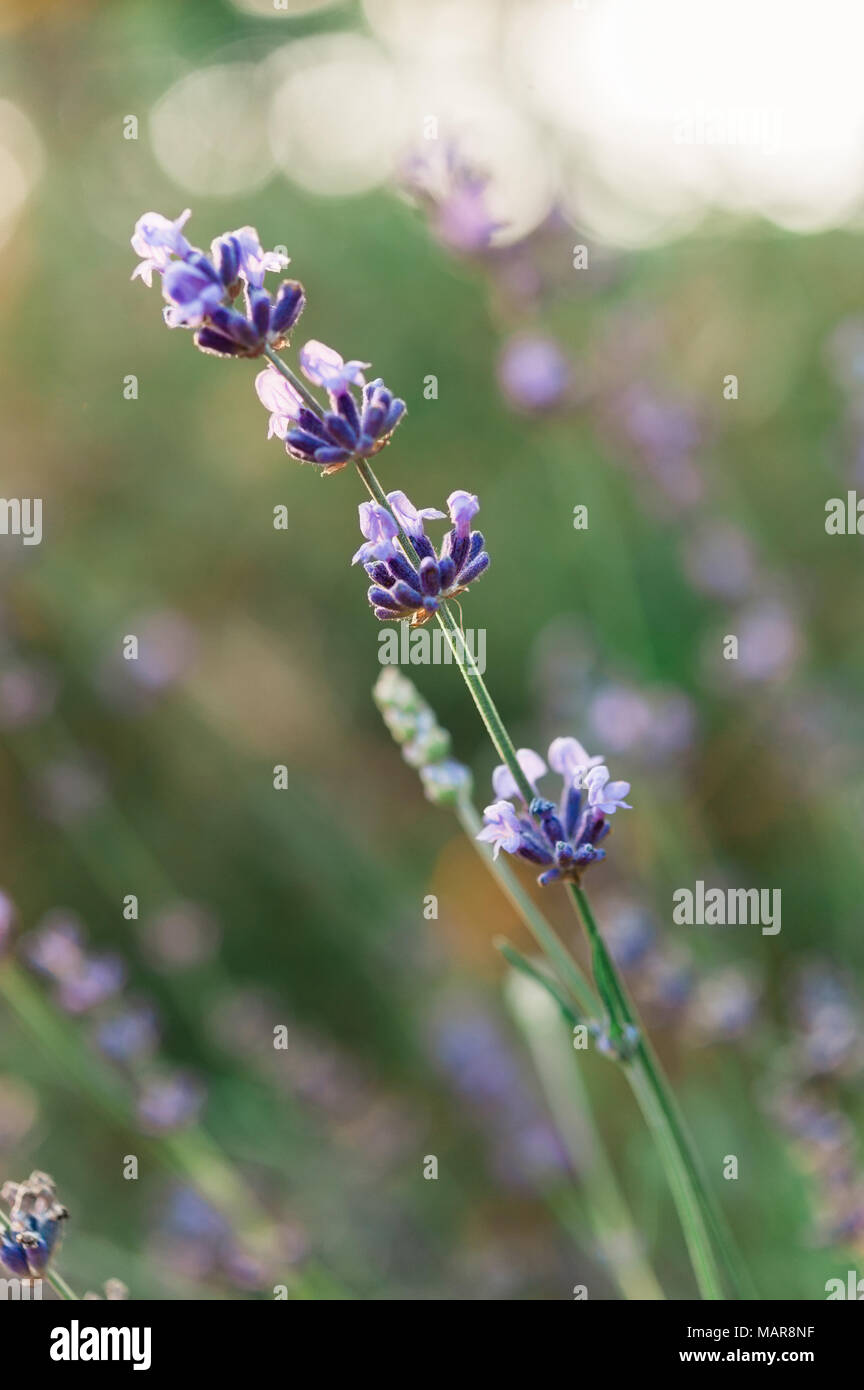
(564, 839)
(204, 294)
(350, 428)
(156, 239)
(413, 585)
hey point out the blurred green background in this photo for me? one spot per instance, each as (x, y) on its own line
(305, 908)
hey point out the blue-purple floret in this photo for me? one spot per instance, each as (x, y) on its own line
(35, 1226)
(562, 838)
(203, 293)
(349, 429)
(401, 589)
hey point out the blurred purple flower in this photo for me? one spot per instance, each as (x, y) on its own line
(129, 1035)
(181, 936)
(169, 1102)
(533, 372)
(719, 560)
(98, 979)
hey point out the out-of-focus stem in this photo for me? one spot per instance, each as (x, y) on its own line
(568, 1100)
(552, 947)
(699, 1215)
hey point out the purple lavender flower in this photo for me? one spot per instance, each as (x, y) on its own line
(279, 397)
(98, 979)
(35, 1226)
(456, 197)
(409, 518)
(502, 828)
(567, 756)
(380, 530)
(252, 261)
(193, 291)
(169, 1102)
(81, 981)
(606, 796)
(532, 765)
(400, 588)
(128, 1035)
(564, 840)
(201, 292)
(157, 239)
(463, 507)
(323, 366)
(533, 373)
(349, 429)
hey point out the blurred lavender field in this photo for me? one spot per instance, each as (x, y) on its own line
(561, 288)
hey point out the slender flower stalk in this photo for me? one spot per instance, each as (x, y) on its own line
(201, 295)
(700, 1222)
(607, 1209)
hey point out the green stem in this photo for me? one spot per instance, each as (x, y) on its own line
(570, 1104)
(700, 1218)
(495, 726)
(547, 939)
